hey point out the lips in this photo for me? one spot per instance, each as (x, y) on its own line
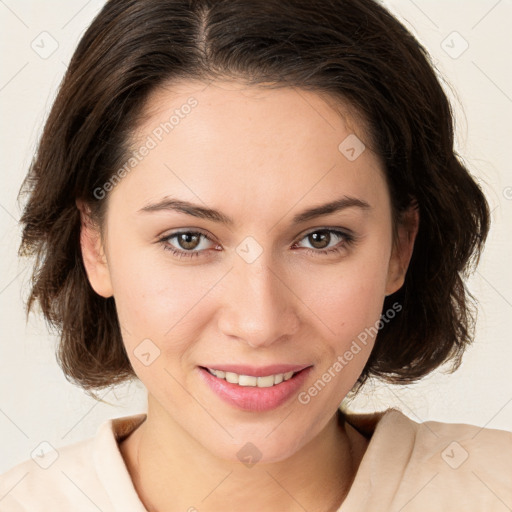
(254, 398)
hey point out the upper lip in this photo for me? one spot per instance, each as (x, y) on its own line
(258, 371)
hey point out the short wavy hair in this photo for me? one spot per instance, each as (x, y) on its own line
(351, 50)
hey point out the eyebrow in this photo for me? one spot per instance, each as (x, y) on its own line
(177, 205)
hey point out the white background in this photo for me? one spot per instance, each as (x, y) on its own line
(38, 404)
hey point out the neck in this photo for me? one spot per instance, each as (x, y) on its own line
(172, 472)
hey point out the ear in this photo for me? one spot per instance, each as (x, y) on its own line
(93, 253)
(403, 245)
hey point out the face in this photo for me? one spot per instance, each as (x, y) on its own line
(259, 287)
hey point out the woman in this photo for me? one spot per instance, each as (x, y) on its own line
(252, 207)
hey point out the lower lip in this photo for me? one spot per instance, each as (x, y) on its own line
(252, 398)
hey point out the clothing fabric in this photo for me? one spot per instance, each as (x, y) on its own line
(407, 467)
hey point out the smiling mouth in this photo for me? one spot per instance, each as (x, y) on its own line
(250, 380)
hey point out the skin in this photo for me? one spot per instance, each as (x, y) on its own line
(259, 156)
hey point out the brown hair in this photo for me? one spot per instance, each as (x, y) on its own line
(353, 50)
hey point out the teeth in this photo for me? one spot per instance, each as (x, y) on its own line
(249, 380)
(231, 377)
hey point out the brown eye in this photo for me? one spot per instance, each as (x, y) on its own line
(327, 241)
(319, 239)
(186, 243)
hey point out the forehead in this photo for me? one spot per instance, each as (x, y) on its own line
(227, 142)
(298, 111)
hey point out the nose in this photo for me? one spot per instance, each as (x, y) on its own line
(259, 306)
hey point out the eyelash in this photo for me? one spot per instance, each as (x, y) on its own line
(347, 241)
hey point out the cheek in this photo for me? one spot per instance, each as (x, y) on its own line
(348, 296)
(158, 318)
(154, 298)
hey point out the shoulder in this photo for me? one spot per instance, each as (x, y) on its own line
(434, 465)
(469, 465)
(65, 472)
(80, 477)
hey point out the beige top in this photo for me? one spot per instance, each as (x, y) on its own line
(407, 467)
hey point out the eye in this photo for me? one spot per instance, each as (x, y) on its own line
(187, 243)
(320, 240)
